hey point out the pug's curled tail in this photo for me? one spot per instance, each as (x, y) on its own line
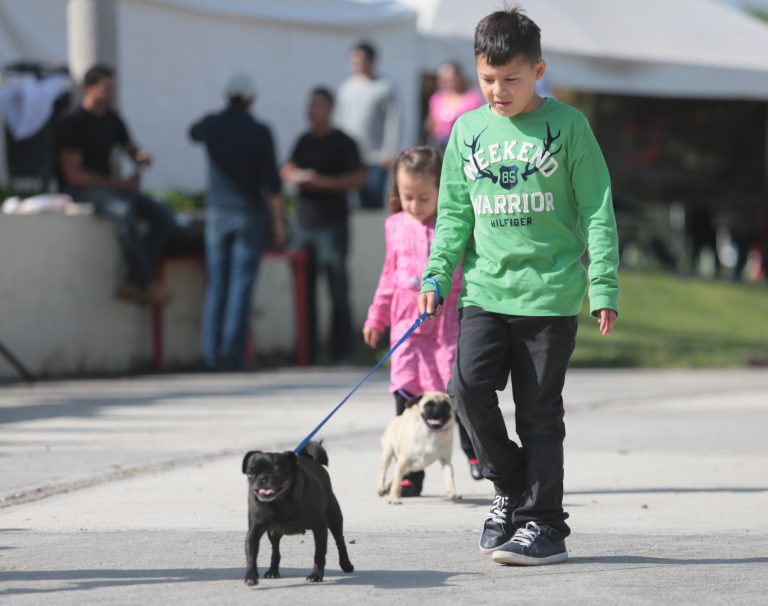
(315, 450)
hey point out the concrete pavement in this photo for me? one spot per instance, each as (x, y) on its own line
(129, 491)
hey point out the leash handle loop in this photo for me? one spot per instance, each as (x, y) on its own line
(433, 282)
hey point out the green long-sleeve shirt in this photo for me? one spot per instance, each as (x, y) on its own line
(523, 198)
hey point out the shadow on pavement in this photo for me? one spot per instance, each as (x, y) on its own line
(97, 579)
(90, 579)
(619, 559)
(87, 406)
(383, 579)
(669, 490)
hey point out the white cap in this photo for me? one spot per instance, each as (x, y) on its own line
(241, 85)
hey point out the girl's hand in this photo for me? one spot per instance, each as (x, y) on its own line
(371, 336)
(607, 319)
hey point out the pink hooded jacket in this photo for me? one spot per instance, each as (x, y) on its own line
(425, 361)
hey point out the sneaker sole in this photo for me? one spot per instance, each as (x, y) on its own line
(516, 559)
(491, 550)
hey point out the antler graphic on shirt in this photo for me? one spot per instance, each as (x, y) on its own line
(532, 169)
(481, 173)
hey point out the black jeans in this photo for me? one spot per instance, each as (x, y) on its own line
(327, 247)
(535, 352)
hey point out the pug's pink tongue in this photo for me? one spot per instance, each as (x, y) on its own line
(433, 422)
(266, 492)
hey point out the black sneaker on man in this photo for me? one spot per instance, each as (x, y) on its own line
(531, 547)
(498, 528)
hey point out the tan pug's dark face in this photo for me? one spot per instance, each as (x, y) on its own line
(435, 410)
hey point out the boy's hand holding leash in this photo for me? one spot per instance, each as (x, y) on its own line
(426, 301)
(430, 303)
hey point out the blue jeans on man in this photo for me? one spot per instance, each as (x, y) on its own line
(235, 240)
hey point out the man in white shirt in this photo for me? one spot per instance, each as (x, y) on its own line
(367, 110)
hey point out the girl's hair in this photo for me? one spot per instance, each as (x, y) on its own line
(417, 160)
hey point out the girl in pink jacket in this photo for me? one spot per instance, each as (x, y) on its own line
(424, 362)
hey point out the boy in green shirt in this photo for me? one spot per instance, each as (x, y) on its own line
(524, 193)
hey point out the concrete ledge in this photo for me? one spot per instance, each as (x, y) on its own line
(58, 314)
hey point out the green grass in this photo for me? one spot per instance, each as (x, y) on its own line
(671, 322)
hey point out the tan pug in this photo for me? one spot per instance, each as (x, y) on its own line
(421, 435)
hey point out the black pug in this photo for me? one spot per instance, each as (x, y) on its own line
(290, 494)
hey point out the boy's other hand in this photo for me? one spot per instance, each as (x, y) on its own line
(426, 301)
(371, 336)
(607, 319)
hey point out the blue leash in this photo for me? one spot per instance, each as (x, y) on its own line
(408, 333)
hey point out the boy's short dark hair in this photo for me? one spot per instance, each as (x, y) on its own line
(323, 92)
(367, 49)
(503, 35)
(97, 73)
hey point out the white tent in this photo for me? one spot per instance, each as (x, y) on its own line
(685, 48)
(175, 56)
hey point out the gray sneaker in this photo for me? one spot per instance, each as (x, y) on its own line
(531, 547)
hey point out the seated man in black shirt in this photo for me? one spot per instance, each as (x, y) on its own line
(325, 165)
(86, 138)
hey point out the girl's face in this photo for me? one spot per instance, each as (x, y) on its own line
(418, 194)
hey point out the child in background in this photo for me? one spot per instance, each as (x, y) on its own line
(423, 362)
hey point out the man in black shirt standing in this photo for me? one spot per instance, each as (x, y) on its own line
(86, 138)
(325, 165)
(244, 214)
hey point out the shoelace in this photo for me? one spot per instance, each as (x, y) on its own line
(499, 510)
(526, 535)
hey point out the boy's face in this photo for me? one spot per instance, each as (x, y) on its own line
(510, 88)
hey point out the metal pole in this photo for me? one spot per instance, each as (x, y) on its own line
(91, 35)
(25, 374)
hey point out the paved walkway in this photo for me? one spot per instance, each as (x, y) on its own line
(130, 491)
